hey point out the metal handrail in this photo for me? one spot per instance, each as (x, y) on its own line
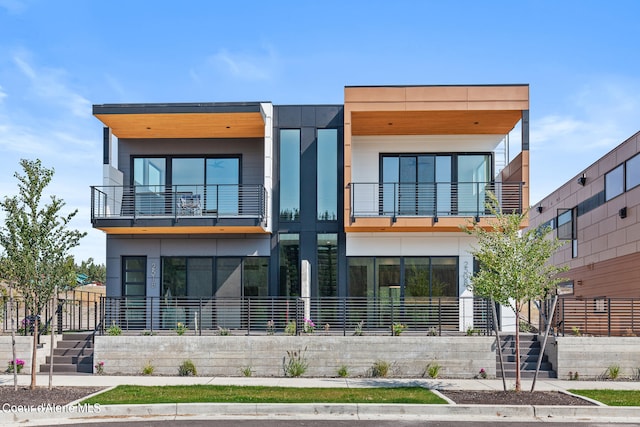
(433, 199)
(160, 201)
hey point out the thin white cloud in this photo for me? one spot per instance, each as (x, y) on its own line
(246, 66)
(13, 6)
(601, 116)
(3, 95)
(48, 84)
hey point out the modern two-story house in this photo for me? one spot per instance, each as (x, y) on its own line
(361, 200)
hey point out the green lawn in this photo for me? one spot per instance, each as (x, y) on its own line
(612, 397)
(128, 394)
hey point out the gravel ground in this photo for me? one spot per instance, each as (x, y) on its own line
(65, 395)
(43, 396)
(467, 397)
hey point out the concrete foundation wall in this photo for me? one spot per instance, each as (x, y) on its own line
(459, 357)
(590, 357)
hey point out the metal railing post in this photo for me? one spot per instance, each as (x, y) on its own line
(609, 316)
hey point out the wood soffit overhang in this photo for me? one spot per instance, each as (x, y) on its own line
(180, 121)
(435, 110)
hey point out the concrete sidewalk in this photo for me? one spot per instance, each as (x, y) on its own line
(78, 413)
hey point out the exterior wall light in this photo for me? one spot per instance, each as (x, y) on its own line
(582, 180)
(623, 212)
(539, 208)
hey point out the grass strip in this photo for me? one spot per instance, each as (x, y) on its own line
(130, 394)
(612, 397)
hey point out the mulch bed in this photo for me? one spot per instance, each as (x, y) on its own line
(547, 398)
(43, 396)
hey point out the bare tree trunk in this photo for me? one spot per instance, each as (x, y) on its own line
(495, 326)
(13, 340)
(518, 385)
(34, 352)
(544, 342)
(52, 329)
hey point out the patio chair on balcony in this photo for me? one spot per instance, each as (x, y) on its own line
(189, 204)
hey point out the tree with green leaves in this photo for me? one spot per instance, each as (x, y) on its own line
(36, 242)
(514, 264)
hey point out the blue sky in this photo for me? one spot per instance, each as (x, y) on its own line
(57, 58)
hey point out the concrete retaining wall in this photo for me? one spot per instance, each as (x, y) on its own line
(592, 356)
(459, 357)
(23, 350)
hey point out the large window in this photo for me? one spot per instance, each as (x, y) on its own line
(614, 183)
(289, 174)
(633, 172)
(210, 184)
(434, 184)
(204, 277)
(412, 277)
(327, 176)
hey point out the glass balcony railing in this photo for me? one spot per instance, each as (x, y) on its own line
(441, 199)
(154, 201)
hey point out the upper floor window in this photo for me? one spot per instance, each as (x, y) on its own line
(614, 183)
(289, 174)
(633, 172)
(327, 182)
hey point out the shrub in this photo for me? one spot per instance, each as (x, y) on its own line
(613, 372)
(148, 368)
(433, 370)
(187, 369)
(398, 329)
(271, 327)
(358, 329)
(246, 371)
(99, 368)
(343, 372)
(309, 326)
(18, 367)
(223, 332)
(295, 363)
(380, 368)
(114, 330)
(290, 329)
(181, 328)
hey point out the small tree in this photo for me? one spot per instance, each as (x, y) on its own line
(36, 243)
(514, 267)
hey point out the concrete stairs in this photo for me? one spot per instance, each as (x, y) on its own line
(73, 354)
(529, 351)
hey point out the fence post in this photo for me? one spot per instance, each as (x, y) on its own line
(200, 317)
(439, 316)
(248, 316)
(609, 316)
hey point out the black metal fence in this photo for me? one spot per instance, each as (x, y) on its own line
(344, 316)
(76, 311)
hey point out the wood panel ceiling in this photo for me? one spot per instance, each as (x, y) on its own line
(185, 125)
(492, 122)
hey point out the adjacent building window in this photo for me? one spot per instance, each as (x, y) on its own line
(289, 265)
(568, 228)
(290, 175)
(633, 172)
(327, 255)
(614, 183)
(327, 165)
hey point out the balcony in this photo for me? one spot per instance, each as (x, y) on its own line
(436, 200)
(179, 208)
